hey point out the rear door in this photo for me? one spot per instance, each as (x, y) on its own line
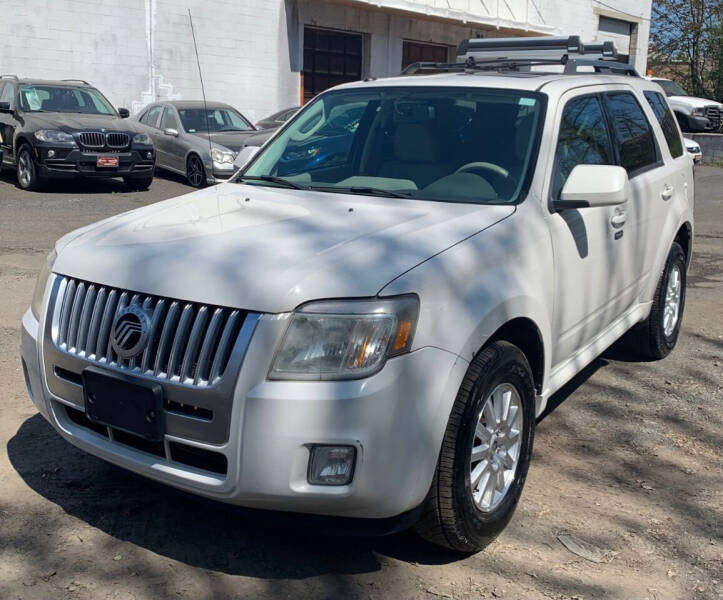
(652, 182)
(595, 281)
(171, 147)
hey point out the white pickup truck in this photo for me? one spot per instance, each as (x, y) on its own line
(373, 333)
(693, 114)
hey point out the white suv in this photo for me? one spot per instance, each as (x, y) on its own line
(368, 319)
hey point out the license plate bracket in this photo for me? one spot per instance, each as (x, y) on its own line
(108, 162)
(124, 403)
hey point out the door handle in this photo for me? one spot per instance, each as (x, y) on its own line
(667, 192)
(618, 219)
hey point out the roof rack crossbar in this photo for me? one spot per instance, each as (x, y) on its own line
(572, 64)
(75, 81)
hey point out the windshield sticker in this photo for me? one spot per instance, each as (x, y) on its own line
(527, 102)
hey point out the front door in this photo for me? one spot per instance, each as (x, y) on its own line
(595, 274)
(7, 122)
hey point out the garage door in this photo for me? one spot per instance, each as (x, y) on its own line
(330, 58)
(618, 31)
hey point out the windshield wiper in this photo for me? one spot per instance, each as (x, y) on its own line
(361, 189)
(272, 179)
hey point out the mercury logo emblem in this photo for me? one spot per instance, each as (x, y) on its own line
(129, 334)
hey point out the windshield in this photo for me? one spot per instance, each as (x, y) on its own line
(434, 143)
(219, 119)
(670, 87)
(63, 99)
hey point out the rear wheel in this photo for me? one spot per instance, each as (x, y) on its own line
(655, 337)
(485, 452)
(195, 173)
(27, 169)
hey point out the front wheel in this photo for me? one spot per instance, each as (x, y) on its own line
(485, 453)
(655, 337)
(27, 169)
(195, 173)
(139, 184)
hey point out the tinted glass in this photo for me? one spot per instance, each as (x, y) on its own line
(6, 94)
(151, 116)
(583, 140)
(63, 99)
(217, 119)
(667, 122)
(670, 87)
(169, 120)
(631, 131)
(448, 144)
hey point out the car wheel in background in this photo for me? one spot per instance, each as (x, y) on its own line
(195, 173)
(485, 452)
(138, 183)
(655, 337)
(27, 169)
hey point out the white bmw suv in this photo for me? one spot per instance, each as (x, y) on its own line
(367, 320)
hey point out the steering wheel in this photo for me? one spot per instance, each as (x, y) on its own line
(499, 176)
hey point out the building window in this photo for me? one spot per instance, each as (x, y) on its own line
(413, 52)
(330, 58)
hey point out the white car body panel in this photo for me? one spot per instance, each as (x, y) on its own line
(474, 268)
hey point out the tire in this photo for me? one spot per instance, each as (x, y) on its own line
(27, 169)
(195, 172)
(655, 337)
(451, 516)
(138, 183)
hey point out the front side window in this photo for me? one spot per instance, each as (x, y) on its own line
(583, 140)
(63, 99)
(6, 94)
(631, 131)
(454, 144)
(216, 119)
(667, 122)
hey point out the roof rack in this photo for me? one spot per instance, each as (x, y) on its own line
(520, 54)
(522, 64)
(75, 81)
(15, 77)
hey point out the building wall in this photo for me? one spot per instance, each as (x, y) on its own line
(251, 51)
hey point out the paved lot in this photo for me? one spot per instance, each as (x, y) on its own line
(629, 461)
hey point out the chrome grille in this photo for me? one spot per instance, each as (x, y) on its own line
(92, 139)
(188, 342)
(713, 113)
(117, 140)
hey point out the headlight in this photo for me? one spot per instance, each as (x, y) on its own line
(142, 138)
(699, 111)
(345, 339)
(693, 149)
(221, 156)
(53, 135)
(36, 305)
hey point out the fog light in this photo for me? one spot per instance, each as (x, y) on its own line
(149, 154)
(331, 465)
(51, 153)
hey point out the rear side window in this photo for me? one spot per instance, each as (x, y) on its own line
(667, 122)
(151, 117)
(631, 131)
(583, 139)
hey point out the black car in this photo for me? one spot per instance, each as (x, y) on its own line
(277, 119)
(65, 129)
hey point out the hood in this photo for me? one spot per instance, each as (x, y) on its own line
(70, 122)
(692, 101)
(268, 249)
(233, 140)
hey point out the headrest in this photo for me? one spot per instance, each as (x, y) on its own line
(414, 143)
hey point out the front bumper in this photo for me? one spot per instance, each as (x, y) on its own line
(74, 162)
(395, 419)
(219, 171)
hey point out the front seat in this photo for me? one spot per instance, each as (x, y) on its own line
(416, 156)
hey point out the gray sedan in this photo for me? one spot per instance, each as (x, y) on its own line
(201, 149)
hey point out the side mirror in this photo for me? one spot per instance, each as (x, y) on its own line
(5, 107)
(244, 157)
(124, 113)
(171, 131)
(594, 185)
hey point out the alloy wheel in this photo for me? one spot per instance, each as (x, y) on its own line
(195, 172)
(671, 311)
(25, 173)
(496, 447)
